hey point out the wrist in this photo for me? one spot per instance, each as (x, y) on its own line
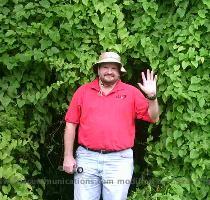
(69, 155)
(151, 96)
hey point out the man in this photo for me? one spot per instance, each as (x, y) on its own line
(105, 111)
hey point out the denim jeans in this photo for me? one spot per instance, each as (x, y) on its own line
(107, 174)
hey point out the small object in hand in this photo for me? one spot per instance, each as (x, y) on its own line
(79, 170)
(76, 169)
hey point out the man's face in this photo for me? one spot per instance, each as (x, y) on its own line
(109, 73)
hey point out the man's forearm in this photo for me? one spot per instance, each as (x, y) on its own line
(69, 137)
(153, 110)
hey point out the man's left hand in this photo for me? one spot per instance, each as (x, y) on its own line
(149, 83)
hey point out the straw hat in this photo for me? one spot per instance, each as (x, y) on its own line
(109, 57)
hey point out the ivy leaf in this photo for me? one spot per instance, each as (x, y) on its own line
(6, 189)
(181, 12)
(195, 80)
(195, 63)
(176, 67)
(201, 102)
(38, 165)
(194, 154)
(31, 98)
(201, 13)
(182, 152)
(20, 103)
(177, 134)
(54, 50)
(54, 35)
(45, 3)
(45, 43)
(3, 2)
(185, 64)
(181, 48)
(5, 100)
(207, 2)
(9, 33)
(85, 2)
(178, 189)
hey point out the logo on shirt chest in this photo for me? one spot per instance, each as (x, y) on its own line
(121, 96)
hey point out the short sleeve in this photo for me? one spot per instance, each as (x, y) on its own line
(74, 110)
(141, 106)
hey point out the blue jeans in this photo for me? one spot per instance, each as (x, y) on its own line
(109, 174)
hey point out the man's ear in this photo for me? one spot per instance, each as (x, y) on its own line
(98, 67)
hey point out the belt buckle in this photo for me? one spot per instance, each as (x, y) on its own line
(102, 151)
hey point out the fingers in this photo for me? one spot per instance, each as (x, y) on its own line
(69, 168)
(141, 86)
(143, 77)
(150, 76)
(155, 78)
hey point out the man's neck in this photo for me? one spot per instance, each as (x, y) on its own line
(106, 88)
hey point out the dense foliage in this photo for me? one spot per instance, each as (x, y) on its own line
(47, 50)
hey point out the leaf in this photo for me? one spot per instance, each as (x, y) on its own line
(3, 2)
(195, 80)
(201, 13)
(54, 50)
(194, 87)
(45, 43)
(202, 59)
(25, 56)
(31, 98)
(35, 172)
(38, 95)
(176, 67)
(6, 189)
(191, 52)
(5, 100)
(178, 189)
(20, 103)
(207, 2)
(9, 33)
(194, 154)
(180, 108)
(195, 63)
(177, 134)
(29, 5)
(160, 161)
(38, 54)
(201, 102)
(181, 12)
(38, 165)
(45, 3)
(182, 152)
(181, 48)
(54, 35)
(85, 2)
(185, 64)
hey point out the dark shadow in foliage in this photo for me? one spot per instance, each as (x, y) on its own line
(59, 185)
(141, 171)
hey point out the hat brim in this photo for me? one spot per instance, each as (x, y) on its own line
(109, 60)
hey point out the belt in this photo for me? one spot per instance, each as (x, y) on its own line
(100, 151)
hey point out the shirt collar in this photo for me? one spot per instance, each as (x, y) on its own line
(95, 85)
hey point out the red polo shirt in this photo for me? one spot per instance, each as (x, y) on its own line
(107, 121)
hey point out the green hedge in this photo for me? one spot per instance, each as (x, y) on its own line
(47, 50)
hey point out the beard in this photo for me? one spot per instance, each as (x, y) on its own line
(109, 79)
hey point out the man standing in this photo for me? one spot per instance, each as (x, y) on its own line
(105, 111)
